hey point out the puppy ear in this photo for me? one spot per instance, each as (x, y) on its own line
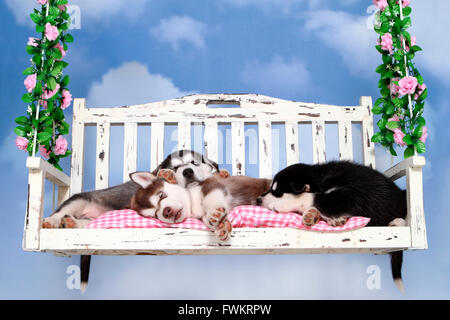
(142, 178)
(300, 189)
(168, 175)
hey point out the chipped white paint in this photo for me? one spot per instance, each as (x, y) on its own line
(345, 140)
(265, 149)
(292, 152)
(102, 156)
(237, 148)
(184, 135)
(318, 135)
(157, 145)
(130, 150)
(193, 109)
(211, 141)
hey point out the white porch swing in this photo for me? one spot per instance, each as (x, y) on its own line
(184, 111)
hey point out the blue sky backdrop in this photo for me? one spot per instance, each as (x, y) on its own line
(130, 52)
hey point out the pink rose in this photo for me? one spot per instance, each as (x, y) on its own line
(61, 146)
(66, 99)
(22, 143)
(48, 95)
(44, 152)
(51, 32)
(393, 87)
(398, 137)
(424, 136)
(413, 41)
(407, 85)
(32, 41)
(405, 3)
(62, 7)
(42, 2)
(381, 4)
(386, 42)
(421, 87)
(30, 82)
(60, 47)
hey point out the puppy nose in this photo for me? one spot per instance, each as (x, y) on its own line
(188, 173)
(168, 212)
(259, 201)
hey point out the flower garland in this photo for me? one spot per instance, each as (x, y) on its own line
(47, 94)
(403, 91)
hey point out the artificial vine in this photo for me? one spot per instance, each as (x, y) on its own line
(402, 88)
(43, 127)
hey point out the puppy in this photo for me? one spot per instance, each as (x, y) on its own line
(81, 208)
(210, 200)
(338, 190)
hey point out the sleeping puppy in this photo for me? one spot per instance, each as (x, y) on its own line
(338, 190)
(210, 200)
(81, 208)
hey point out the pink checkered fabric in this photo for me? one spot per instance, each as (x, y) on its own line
(240, 217)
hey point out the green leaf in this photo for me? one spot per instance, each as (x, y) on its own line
(420, 121)
(420, 147)
(393, 124)
(408, 139)
(423, 95)
(38, 88)
(408, 152)
(44, 137)
(381, 68)
(419, 79)
(377, 137)
(391, 149)
(56, 54)
(389, 108)
(51, 83)
(68, 38)
(418, 132)
(22, 120)
(385, 92)
(27, 98)
(31, 49)
(53, 11)
(20, 131)
(378, 102)
(390, 137)
(415, 48)
(40, 29)
(29, 70)
(406, 23)
(65, 81)
(382, 123)
(398, 55)
(36, 17)
(377, 110)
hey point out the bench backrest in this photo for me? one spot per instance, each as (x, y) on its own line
(251, 109)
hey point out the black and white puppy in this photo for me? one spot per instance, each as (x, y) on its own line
(338, 190)
(81, 208)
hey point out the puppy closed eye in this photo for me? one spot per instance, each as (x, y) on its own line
(162, 195)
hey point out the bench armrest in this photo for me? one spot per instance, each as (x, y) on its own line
(412, 169)
(39, 170)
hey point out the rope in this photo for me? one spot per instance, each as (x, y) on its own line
(406, 67)
(39, 101)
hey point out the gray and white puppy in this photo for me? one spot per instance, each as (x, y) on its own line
(80, 209)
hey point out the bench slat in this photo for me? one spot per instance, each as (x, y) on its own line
(102, 156)
(345, 140)
(238, 148)
(318, 134)
(129, 150)
(157, 145)
(184, 135)
(77, 165)
(265, 149)
(211, 141)
(292, 151)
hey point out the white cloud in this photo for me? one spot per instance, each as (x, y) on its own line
(277, 76)
(176, 29)
(349, 35)
(98, 10)
(130, 84)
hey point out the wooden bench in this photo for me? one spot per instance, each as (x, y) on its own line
(251, 109)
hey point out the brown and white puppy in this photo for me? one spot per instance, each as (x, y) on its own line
(210, 200)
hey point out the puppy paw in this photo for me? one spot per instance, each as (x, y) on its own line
(223, 230)
(68, 222)
(223, 173)
(310, 217)
(337, 222)
(168, 175)
(398, 222)
(50, 223)
(214, 217)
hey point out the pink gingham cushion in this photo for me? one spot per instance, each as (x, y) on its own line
(240, 217)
